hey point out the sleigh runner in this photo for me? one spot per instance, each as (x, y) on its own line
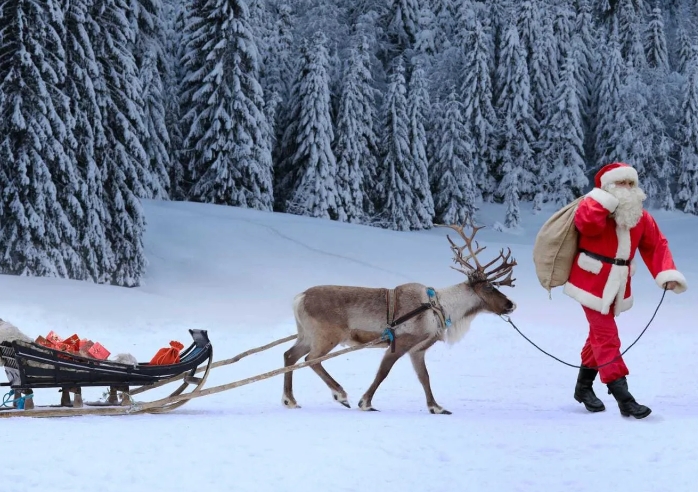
(30, 366)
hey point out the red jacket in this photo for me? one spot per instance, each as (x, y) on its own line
(596, 284)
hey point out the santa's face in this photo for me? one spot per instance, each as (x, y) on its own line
(630, 198)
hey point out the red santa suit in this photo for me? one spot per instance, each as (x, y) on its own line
(601, 273)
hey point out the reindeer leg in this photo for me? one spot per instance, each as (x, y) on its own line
(338, 392)
(291, 356)
(420, 367)
(402, 345)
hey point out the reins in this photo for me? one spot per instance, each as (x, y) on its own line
(508, 320)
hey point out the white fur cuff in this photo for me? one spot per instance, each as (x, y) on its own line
(607, 201)
(676, 276)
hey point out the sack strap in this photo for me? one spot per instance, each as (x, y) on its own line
(606, 259)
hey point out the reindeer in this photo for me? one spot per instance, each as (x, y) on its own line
(330, 315)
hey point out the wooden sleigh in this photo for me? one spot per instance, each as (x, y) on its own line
(30, 366)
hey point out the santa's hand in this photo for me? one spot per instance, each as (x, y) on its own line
(671, 285)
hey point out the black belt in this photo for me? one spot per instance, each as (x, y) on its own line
(606, 259)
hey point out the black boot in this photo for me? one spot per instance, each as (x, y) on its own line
(584, 393)
(626, 403)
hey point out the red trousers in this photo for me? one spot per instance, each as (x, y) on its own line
(603, 345)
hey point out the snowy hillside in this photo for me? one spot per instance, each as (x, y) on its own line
(234, 272)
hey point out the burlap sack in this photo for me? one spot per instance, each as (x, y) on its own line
(556, 246)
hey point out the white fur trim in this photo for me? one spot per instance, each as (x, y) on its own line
(623, 251)
(619, 174)
(607, 200)
(633, 267)
(584, 297)
(669, 275)
(589, 264)
(614, 290)
(624, 276)
(596, 303)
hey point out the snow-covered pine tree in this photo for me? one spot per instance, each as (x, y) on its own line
(227, 133)
(264, 21)
(261, 20)
(82, 70)
(479, 116)
(630, 33)
(63, 168)
(518, 126)
(687, 192)
(627, 127)
(356, 145)
(418, 109)
(685, 49)
(395, 171)
(447, 66)
(543, 68)
(465, 18)
(121, 95)
(425, 40)
(610, 118)
(36, 234)
(453, 176)
(402, 24)
(640, 129)
(444, 14)
(564, 18)
(564, 136)
(156, 140)
(173, 18)
(667, 168)
(655, 42)
(312, 166)
(277, 77)
(603, 9)
(528, 22)
(510, 184)
(148, 49)
(585, 48)
(121, 156)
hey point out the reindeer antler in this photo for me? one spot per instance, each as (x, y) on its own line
(479, 271)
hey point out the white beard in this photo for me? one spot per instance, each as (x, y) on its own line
(629, 210)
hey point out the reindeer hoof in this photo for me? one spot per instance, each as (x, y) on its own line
(439, 411)
(366, 407)
(341, 399)
(288, 403)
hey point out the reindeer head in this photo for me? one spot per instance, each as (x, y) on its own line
(484, 282)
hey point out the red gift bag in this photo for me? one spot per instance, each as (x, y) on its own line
(168, 355)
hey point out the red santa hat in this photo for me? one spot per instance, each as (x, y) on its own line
(616, 171)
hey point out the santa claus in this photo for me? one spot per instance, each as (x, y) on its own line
(613, 225)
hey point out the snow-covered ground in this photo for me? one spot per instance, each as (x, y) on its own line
(515, 425)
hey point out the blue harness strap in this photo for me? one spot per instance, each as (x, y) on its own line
(7, 399)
